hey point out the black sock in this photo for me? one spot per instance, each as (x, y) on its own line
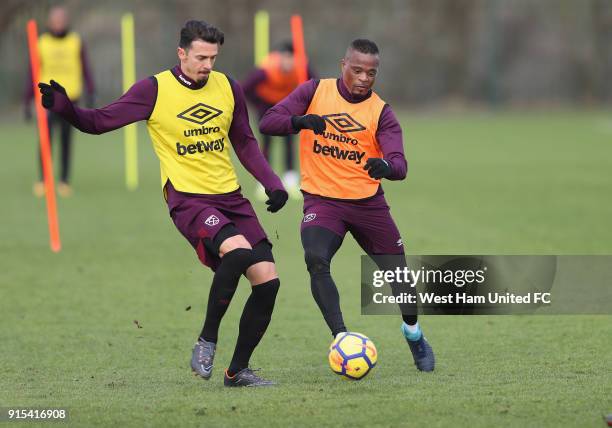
(320, 245)
(224, 284)
(410, 319)
(390, 263)
(254, 321)
(326, 295)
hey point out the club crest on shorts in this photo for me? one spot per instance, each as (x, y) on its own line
(309, 217)
(399, 242)
(212, 220)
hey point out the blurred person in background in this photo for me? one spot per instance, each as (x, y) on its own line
(63, 58)
(274, 79)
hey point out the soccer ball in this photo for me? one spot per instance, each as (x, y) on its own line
(352, 355)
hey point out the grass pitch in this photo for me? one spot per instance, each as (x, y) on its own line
(505, 183)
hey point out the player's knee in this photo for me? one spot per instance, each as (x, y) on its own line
(227, 239)
(261, 272)
(239, 259)
(233, 243)
(263, 268)
(316, 263)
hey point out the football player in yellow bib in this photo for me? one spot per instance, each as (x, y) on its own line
(195, 117)
(63, 58)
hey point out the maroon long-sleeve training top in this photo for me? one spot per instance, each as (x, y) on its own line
(137, 104)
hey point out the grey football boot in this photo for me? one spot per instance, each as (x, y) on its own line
(202, 358)
(246, 377)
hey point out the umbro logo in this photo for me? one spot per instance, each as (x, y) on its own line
(399, 242)
(212, 220)
(199, 113)
(343, 122)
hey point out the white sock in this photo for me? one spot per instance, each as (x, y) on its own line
(412, 329)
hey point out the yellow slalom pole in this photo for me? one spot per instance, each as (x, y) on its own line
(129, 77)
(262, 35)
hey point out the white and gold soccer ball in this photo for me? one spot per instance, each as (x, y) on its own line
(352, 355)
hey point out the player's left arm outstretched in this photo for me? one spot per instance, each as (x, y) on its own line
(133, 106)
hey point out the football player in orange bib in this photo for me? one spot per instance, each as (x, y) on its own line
(274, 79)
(349, 141)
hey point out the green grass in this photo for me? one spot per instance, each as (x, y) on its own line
(505, 183)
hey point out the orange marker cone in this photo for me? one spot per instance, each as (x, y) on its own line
(299, 50)
(43, 134)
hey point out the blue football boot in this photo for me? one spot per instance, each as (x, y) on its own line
(423, 355)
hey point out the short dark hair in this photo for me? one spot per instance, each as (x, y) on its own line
(364, 46)
(200, 30)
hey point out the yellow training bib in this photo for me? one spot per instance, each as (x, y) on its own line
(189, 129)
(60, 60)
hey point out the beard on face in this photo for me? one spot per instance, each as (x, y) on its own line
(203, 78)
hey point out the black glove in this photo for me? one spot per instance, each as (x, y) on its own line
(276, 200)
(377, 168)
(48, 92)
(309, 121)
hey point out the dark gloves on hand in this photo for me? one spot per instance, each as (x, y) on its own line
(276, 200)
(377, 168)
(309, 121)
(48, 92)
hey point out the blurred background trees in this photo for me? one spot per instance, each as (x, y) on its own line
(491, 52)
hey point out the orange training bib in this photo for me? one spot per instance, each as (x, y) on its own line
(332, 163)
(278, 84)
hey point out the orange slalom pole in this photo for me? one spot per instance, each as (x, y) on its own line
(299, 50)
(43, 136)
